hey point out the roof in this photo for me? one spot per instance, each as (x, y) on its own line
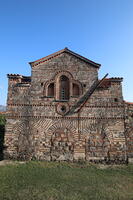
(18, 76)
(107, 82)
(14, 76)
(3, 112)
(24, 79)
(131, 103)
(65, 50)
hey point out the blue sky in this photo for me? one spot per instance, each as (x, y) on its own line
(101, 30)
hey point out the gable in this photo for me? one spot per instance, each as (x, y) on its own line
(66, 50)
(80, 70)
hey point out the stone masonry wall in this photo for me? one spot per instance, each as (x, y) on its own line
(37, 128)
(81, 71)
(129, 130)
(17, 128)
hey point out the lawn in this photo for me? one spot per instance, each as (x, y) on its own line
(64, 181)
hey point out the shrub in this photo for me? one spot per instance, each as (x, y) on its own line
(2, 131)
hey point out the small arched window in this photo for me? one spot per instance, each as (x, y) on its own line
(51, 90)
(64, 88)
(75, 90)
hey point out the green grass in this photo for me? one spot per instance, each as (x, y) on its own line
(61, 181)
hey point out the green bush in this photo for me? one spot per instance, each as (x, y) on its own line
(2, 120)
(2, 131)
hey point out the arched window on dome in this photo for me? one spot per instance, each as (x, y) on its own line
(64, 88)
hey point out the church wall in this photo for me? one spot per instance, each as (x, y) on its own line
(16, 138)
(36, 128)
(91, 139)
(111, 95)
(46, 71)
(129, 130)
(17, 127)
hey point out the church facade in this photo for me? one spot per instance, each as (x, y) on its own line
(63, 112)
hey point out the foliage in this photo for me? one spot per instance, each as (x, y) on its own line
(2, 131)
(64, 181)
(2, 120)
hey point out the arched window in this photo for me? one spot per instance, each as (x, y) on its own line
(64, 88)
(51, 90)
(75, 90)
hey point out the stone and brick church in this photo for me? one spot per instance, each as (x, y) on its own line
(63, 111)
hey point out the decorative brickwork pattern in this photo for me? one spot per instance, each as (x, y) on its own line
(40, 126)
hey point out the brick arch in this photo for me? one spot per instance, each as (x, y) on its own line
(129, 131)
(38, 137)
(42, 124)
(22, 141)
(19, 127)
(45, 88)
(56, 81)
(58, 84)
(65, 73)
(40, 127)
(95, 139)
(62, 124)
(62, 140)
(90, 130)
(17, 130)
(76, 82)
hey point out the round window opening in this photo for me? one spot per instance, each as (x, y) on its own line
(63, 109)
